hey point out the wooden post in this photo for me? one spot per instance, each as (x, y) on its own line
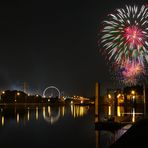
(97, 113)
(97, 96)
(115, 103)
(125, 103)
(144, 98)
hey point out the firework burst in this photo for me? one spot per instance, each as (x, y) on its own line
(130, 73)
(125, 35)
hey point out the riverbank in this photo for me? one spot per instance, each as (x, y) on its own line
(136, 136)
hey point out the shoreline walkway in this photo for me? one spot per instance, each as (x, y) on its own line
(136, 136)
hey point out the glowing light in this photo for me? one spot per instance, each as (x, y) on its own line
(63, 110)
(109, 96)
(28, 115)
(109, 110)
(118, 111)
(18, 93)
(134, 97)
(3, 120)
(17, 118)
(49, 111)
(72, 109)
(125, 35)
(118, 95)
(44, 112)
(133, 115)
(132, 92)
(78, 111)
(37, 113)
(3, 92)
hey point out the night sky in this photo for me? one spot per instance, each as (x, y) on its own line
(54, 42)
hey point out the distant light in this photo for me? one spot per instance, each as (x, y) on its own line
(109, 96)
(3, 92)
(81, 101)
(36, 113)
(3, 120)
(48, 100)
(109, 110)
(18, 93)
(118, 111)
(18, 118)
(133, 115)
(37, 95)
(118, 95)
(134, 97)
(132, 92)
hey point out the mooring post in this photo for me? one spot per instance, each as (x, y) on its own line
(144, 98)
(97, 98)
(115, 103)
(97, 112)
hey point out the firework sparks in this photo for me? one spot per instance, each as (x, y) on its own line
(125, 35)
(130, 73)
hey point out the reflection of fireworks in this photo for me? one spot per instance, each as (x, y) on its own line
(125, 35)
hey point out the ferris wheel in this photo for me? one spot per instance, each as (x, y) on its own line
(52, 92)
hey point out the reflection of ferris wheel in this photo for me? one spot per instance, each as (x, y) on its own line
(52, 118)
(54, 92)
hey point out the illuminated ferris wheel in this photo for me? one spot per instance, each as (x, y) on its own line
(51, 92)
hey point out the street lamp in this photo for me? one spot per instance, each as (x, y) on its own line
(18, 93)
(133, 95)
(133, 92)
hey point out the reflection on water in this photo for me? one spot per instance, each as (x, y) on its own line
(78, 111)
(52, 114)
(28, 115)
(48, 113)
(3, 120)
(131, 114)
(18, 118)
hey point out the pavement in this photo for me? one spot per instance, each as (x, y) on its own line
(136, 136)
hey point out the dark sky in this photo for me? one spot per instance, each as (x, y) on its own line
(54, 42)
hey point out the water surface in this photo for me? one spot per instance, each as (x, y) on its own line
(70, 126)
